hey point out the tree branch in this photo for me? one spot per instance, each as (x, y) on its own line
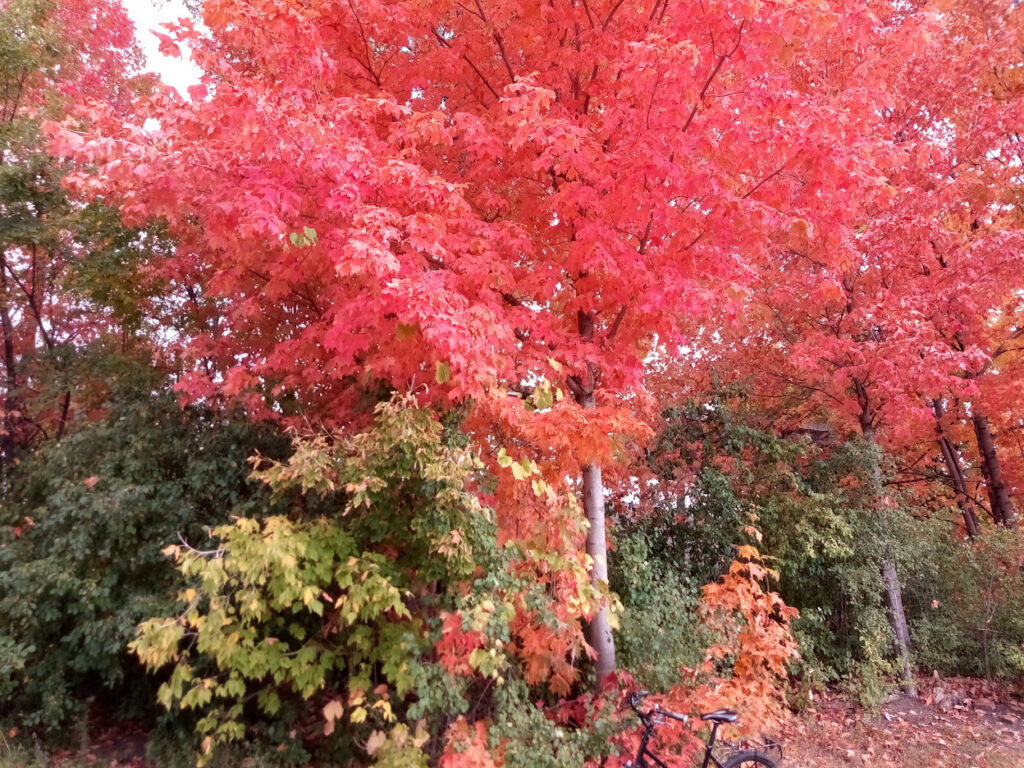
(484, 80)
(618, 322)
(714, 72)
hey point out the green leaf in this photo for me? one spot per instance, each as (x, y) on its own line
(543, 397)
(504, 460)
(444, 373)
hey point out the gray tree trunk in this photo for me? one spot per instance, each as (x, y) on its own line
(1002, 509)
(951, 457)
(898, 621)
(599, 633)
(890, 577)
(600, 630)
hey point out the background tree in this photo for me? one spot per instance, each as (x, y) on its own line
(51, 55)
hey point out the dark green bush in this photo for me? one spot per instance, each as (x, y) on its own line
(821, 531)
(82, 526)
(659, 632)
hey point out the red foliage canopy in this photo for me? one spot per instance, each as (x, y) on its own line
(468, 197)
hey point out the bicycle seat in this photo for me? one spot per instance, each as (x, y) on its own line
(720, 716)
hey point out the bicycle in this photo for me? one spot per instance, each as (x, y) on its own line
(654, 717)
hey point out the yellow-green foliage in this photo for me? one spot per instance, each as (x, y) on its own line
(333, 604)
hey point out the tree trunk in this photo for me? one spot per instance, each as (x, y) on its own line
(890, 577)
(1002, 509)
(11, 406)
(600, 630)
(599, 633)
(898, 620)
(951, 456)
(956, 476)
(65, 412)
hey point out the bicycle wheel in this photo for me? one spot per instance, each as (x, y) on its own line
(745, 759)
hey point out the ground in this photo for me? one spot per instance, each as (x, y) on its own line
(955, 723)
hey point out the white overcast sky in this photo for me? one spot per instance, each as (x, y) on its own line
(148, 15)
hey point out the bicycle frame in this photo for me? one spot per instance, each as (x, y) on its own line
(644, 754)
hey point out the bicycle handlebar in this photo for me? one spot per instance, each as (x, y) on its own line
(636, 699)
(673, 715)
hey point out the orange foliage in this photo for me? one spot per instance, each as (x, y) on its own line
(756, 643)
(467, 746)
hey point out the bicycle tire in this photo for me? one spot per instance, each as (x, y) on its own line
(749, 758)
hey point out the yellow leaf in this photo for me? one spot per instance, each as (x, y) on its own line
(422, 734)
(747, 552)
(504, 460)
(399, 734)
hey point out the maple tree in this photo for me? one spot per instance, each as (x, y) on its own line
(958, 211)
(879, 334)
(477, 199)
(918, 318)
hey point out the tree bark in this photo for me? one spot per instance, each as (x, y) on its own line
(951, 457)
(599, 632)
(11, 406)
(898, 620)
(890, 576)
(999, 497)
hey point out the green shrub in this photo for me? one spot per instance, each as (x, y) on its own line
(533, 739)
(820, 527)
(659, 630)
(965, 600)
(81, 528)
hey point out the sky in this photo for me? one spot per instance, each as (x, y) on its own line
(148, 15)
